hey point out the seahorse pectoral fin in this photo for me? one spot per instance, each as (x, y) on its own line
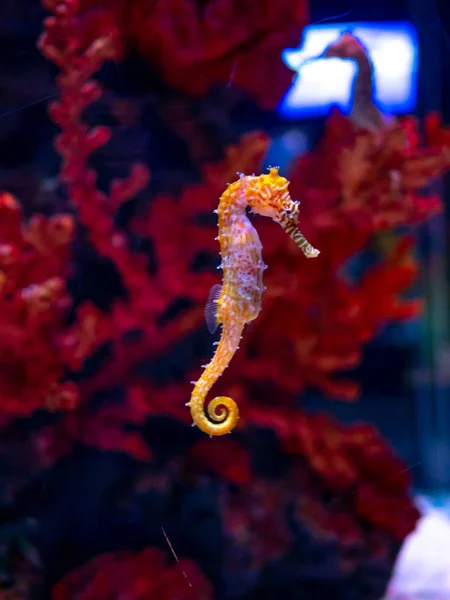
(212, 321)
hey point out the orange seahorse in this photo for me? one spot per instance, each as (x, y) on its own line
(238, 300)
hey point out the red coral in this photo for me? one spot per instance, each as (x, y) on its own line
(354, 461)
(146, 575)
(360, 515)
(437, 135)
(109, 429)
(368, 182)
(36, 347)
(194, 44)
(197, 43)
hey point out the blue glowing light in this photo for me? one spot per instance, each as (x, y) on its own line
(326, 82)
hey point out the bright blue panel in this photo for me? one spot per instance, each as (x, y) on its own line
(327, 82)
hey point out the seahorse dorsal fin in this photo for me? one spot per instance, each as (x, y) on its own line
(211, 308)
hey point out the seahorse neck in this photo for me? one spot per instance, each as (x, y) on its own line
(363, 83)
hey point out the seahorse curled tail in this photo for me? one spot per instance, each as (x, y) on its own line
(222, 413)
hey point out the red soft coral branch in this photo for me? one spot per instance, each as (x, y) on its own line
(36, 347)
(230, 41)
(135, 576)
(194, 44)
(369, 182)
(353, 460)
(437, 135)
(62, 42)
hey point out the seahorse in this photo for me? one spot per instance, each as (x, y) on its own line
(238, 300)
(364, 112)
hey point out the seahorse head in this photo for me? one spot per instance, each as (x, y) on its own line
(268, 195)
(346, 47)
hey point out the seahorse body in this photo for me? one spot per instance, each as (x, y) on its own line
(238, 300)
